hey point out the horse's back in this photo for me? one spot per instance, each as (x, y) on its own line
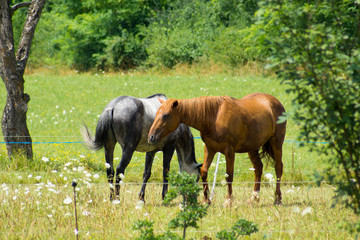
(250, 121)
(263, 100)
(269, 106)
(132, 119)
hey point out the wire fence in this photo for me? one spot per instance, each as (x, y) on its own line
(289, 140)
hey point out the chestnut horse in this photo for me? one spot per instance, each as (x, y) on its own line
(228, 125)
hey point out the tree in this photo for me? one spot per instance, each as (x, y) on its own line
(315, 50)
(12, 68)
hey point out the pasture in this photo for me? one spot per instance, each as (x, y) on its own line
(33, 194)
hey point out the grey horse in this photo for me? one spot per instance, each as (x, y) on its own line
(127, 120)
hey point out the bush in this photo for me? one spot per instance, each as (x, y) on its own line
(315, 50)
(121, 52)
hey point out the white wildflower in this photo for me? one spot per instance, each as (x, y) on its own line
(107, 165)
(96, 176)
(307, 210)
(4, 187)
(269, 176)
(122, 177)
(252, 169)
(296, 210)
(226, 175)
(68, 215)
(67, 200)
(85, 213)
(45, 159)
(116, 202)
(139, 205)
(38, 178)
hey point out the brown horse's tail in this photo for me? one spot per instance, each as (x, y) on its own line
(267, 153)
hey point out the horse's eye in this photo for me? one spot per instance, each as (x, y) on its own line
(165, 116)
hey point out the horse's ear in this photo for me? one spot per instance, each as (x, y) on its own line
(161, 101)
(175, 104)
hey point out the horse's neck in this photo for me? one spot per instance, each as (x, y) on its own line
(199, 113)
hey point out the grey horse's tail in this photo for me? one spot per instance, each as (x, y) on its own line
(102, 128)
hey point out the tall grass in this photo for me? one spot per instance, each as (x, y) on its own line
(61, 103)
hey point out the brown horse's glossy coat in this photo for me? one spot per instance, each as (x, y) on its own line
(229, 126)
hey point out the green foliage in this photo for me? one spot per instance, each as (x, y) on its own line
(147, 232)
(184, 185)
(191, 211)
(315, 50)
(113, 34)
(241, 228)
(235, 47)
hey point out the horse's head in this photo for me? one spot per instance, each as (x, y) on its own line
(166, 121)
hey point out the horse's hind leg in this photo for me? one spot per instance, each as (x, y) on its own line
(167, 155)
(276, 148)
(125, 160)
(258, 165)
(147, 173)
(109, 155)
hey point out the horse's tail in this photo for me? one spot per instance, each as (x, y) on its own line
(103, 126)
(267, 153)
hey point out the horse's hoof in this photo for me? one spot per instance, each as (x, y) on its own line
(254, 198)
(207, 201)
(228, 202)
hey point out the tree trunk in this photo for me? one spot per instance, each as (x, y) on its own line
(12, 68)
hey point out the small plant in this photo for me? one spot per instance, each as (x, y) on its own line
(147, 232)
(185, 185)
(241, 228)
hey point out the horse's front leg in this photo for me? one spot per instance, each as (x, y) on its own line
(147, 173)
(167, 155)
(258, 166)
(230, 159)
(208, 158)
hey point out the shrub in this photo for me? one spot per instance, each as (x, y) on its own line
(315, 50)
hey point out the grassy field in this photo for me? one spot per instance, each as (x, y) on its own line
(32, 193)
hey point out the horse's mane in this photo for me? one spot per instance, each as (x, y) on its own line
(202, 108)
(157, 95)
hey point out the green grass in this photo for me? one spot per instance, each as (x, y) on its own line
(61, 103)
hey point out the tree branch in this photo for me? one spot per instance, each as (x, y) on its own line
(27, 35)
(19, 5)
